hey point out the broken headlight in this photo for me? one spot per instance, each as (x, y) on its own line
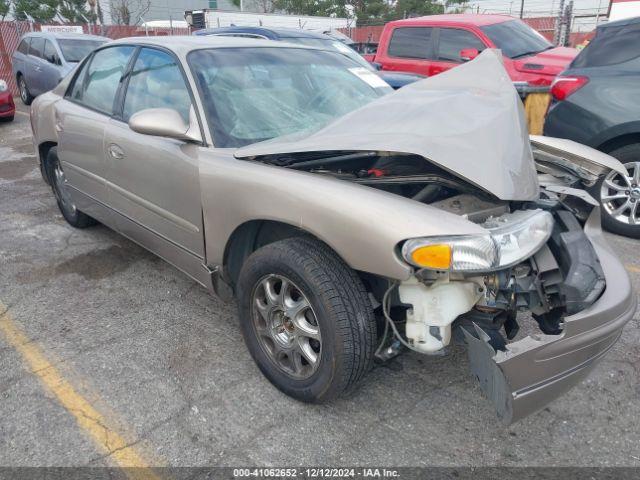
(511, 238)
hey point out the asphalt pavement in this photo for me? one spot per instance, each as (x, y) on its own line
(110, 356)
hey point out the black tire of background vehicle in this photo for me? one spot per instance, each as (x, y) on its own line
(25, 96)
(626, 154)
(7, 119)
(343, 310)
(73, 216)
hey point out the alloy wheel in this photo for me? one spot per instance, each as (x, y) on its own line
(286, 326)
(620, 194)
(23, 90)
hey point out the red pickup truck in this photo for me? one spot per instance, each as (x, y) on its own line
(433, 44)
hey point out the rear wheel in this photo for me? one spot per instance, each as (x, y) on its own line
(619, 194)
(67, 207)
(25, 96)
(306, 319)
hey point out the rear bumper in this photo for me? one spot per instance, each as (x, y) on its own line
(539, 368)
(7, 106)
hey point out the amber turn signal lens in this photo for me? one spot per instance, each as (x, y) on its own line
(433, 256)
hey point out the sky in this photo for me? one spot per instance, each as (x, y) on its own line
(543, 8)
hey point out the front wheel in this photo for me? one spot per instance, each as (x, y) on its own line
(619, 194)
(306, 319)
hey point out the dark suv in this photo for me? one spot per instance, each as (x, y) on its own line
(596, 101)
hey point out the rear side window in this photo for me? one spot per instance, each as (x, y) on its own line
(611, 46)
(24, 46)
(452, 40)
(156, 81)
(96, 85)
(412, 42)
(36, 48)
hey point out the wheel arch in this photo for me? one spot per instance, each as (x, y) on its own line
(43, 151)
(254, 234)
(250, 236)
(619, 141)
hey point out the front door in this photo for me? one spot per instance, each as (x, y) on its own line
(449, 43)
(80, 121)
(153, 182)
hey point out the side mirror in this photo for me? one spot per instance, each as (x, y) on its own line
(376, 65)
(165, 122)
(467, 54)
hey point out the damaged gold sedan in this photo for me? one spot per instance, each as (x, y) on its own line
(349, 222)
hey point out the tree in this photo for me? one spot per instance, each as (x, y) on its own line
(128, 12)
(74, 11)
(321, 8)
(5, 6)
(42, 11)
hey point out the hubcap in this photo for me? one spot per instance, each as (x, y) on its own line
(23, 90)
(61, 190)
(620, 194)
(286, 326)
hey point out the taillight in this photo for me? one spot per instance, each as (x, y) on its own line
(562, 87)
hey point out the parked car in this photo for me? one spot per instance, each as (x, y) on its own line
(316, 39)
(596, 102)
(43, 59)
(433, 44)
(7, 107)
(345, 218)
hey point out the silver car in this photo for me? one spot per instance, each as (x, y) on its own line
(43, 59)
(351, 223)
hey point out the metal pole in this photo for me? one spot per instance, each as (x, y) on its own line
(521, 8)
(170, 24)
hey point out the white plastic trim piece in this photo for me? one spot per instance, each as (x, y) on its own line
(434, 309)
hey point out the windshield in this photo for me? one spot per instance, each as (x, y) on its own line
(329, 44)
(255, 94)
(76, 49)
(516, 39)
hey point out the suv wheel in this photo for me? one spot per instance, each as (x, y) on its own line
(67, 207)
(25, 96)
(306, 319)
(620, 194)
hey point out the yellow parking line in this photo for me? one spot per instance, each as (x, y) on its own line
(19, 112)
(87, 417)
(632, 268)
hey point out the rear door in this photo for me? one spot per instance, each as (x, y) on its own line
(449, 43)
(33, 75)
(410, 49)
(81, 119)
(154, 181)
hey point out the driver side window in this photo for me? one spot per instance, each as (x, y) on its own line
(156, 81)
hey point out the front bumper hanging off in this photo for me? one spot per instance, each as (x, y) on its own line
(539, 368)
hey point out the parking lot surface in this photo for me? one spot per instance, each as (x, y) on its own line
(110, 356)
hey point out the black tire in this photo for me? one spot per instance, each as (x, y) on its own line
(626, 155)
(25, 95)
(7, 119)
(71, 214)
(341, 305)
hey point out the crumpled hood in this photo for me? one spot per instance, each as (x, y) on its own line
(468, 120)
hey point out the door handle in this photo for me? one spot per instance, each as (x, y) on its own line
(115, 151)
(37, 69)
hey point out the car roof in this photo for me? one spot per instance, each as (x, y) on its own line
(456, 18)
(271, 33)
(183, 44)
(620, 23)
(66, 36)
